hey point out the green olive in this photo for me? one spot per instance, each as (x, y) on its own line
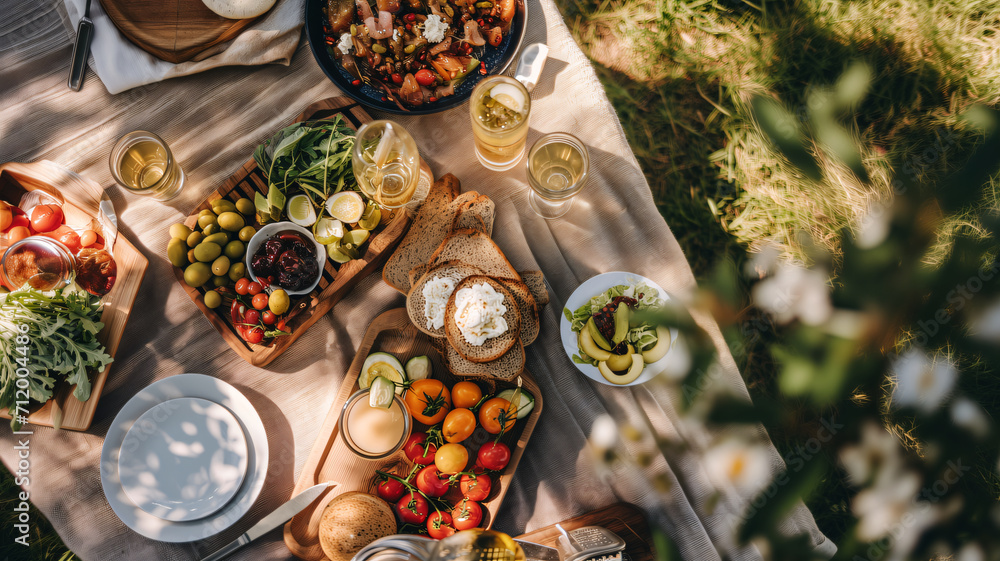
(220, 266)
(206, 212)
(212, 229)
(190, 256)
(197, 274)
(232, 221)
(234, 249)
(245, 207)
(220, 281)
(278, 302)
(195, 238)
(207, 252)
(179, 231)
(213, 299)
(246, 233)
(207, 219)
(223, 205)
(177, 253)
(220, 238)
(237, 271)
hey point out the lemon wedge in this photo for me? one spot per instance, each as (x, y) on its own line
(508, 96)
(346, 206)
(328, 230)
(381, 365)
(371, 217)
(300, 211)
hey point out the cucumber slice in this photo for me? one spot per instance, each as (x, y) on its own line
(418, 368)
(385, 365)
(525, 404)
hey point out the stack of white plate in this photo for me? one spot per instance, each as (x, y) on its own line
(184, 459)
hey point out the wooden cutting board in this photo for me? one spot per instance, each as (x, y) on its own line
(173, 30)
(621, 518)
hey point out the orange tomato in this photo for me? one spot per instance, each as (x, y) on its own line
(458, 425)
(451, 458)
(496, 415)
(466, 394)
(428, 401)
(88, 238)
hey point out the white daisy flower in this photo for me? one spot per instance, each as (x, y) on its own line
(969, 415)
(878, 451)
(873, 227)
(737, 463)
(920, 382)
(795, 292)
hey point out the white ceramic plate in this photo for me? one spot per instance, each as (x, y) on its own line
(183, 459)
(590, 288)
(174, 387)
(271, 229)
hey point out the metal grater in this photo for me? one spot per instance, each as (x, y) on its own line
(473, 553)
(590, 543)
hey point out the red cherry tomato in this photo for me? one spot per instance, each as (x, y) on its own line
(88, 238)
(439, 525)
(251, 316)
(17, 233)
(397, 78)
(17, 220)
(254, 288)
(430, 481)
(255, 335)
(466, 515)
(390, 490)
(475, 488)
(259, 300)
(45, 218)
(241, 286)
(424, 77)
(268, 317)
(493, 456)
(418, 450)
(68, 238)
(412, 508)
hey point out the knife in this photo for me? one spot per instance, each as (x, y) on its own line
(538, 552)
(81, 50)
(280, 515)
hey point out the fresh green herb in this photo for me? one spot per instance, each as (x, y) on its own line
(312, 157)
(53, 335)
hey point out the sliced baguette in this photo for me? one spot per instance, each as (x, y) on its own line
(475, 247)
(415, 301)
(530, 324)
(507, 367)
(494, 347)
(536, 284)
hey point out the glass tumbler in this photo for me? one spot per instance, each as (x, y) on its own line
(558, 164)
(499, 107)
(142, 163)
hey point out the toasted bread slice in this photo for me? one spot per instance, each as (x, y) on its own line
(536, 284)
(475, 248)
(431, 225)
(530, 324)
(416, 302)
(482, 208)
(494, 347)
(507, 367)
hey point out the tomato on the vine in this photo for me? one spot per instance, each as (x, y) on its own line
(439, 525)
(268, 317)
(428, 401)
(466, 515)
(430, 481)
(254, 288)
(418, 450)
(45, 218)
(251, 316)
(241, 286)
(259, 300)
(390, 489)
(451, 458)
(255, 335)
(493, 456)
(475, 488)
(496, 415)
(466, 395)
(412, 508)
(458, 425)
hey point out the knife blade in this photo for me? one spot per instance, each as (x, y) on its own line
(538, 552)
(81, 50)
(278, 517)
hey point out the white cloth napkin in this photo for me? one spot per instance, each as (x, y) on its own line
(121, 65)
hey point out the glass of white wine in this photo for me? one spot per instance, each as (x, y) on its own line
(143, 164)
(386, 163)
(558, 164)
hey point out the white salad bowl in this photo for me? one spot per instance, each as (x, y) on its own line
(271, 229)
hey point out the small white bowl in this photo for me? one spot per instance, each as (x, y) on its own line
(271, 229)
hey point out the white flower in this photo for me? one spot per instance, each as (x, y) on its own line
(737, 463)
(878, 451)
(881, 507)
(604, 433)
(920, 382)
(969, 415)
(873, 227)
(971, 552)
(763, 261)
(677, 362)
(795, 292)
(986, 325)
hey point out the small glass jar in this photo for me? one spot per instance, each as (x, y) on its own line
(40, 262)
(370, 432)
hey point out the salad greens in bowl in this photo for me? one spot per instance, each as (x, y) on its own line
(603, 331)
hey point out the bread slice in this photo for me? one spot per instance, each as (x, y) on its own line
(431, 225)
(476, 248)
(415, 301)
(482, 208)
(507, 367)
(530, 324)
(468, 220)
(494, 347)
(417, 272)
(536, 284)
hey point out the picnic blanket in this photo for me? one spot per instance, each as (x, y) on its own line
(213, 121)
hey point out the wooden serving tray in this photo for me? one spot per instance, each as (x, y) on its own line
(64, 410)
(624, 519)
(331, 460)
(173, 30)
(337, 279)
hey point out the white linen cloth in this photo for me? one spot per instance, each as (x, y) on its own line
(122, 65)
(212, 122)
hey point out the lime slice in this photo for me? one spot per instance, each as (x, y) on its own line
(300, 211)
(346, 206)
(328, 230)
(381, 393)
(509, 96)
(340, 253)
(384, 365)
(371, 217)
(356, 237)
